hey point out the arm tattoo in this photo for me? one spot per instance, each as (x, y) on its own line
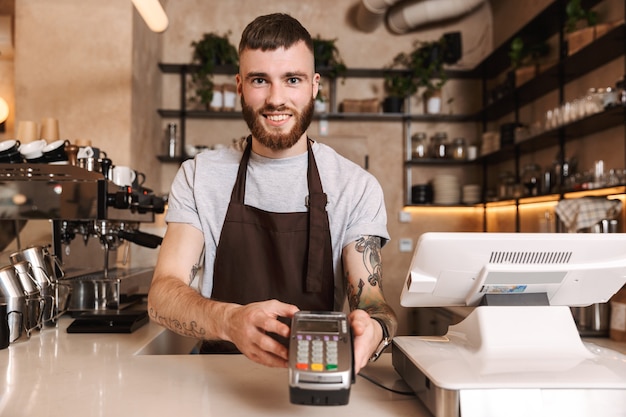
(194, 271)
(354, 297)
(187, 329)
(370, 248)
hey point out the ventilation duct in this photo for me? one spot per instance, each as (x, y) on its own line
(370, 14)
(404, 16)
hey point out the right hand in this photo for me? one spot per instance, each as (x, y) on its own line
(246, 326)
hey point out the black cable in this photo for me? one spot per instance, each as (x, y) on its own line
(379, 384)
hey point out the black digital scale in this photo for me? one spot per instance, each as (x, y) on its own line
(108, 321)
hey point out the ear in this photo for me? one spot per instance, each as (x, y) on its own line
(239, 82)
(316, 84)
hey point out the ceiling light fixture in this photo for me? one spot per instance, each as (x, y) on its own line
(152, 13)
(4, 110)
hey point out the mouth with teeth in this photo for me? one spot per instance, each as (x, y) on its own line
(277, 119)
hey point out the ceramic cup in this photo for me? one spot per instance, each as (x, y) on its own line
(123, 176)
(9, 151)
(55, 151)
(33, 151)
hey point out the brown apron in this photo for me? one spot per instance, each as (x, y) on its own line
(263, 255)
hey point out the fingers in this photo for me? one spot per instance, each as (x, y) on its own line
(250, 325)
(364, 338)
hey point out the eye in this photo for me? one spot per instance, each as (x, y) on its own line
(258, 81)
(293, 80)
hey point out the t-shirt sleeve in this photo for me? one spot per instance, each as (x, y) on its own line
(369, 217)
(181, 204)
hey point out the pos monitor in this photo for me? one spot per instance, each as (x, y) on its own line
(558, 269)
(519, 346)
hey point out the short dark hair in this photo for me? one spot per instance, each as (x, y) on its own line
(273, 31)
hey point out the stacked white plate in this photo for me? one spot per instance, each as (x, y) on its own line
(446, 189)
(471, 194)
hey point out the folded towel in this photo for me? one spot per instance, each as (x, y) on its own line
(580, 213)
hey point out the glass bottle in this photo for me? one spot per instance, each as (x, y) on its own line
(171, 141)
(531, 178)
(419, 145)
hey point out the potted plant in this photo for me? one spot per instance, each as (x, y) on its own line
(581, 26)
(526, 59)
(578, 17)
(211, 50)
(425, 69)
(327, 57)
(399, 84)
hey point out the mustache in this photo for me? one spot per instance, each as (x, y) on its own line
(268, 108)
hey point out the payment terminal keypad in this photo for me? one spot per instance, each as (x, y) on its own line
(317, 352)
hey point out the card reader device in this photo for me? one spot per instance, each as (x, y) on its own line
(321, 361)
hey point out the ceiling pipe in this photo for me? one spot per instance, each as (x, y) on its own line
(405, 17)
(370, 14)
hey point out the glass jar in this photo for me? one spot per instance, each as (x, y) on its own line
(419, 145)
(531, 178)
(438, 145)
(506, 185)
(459, 150)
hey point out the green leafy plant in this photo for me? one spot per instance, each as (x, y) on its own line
(522, 54)
(425, 65)
(576, 13)
(399, 81)
(211, 50)
(327, 57)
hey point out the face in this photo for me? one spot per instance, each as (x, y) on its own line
(278, 90)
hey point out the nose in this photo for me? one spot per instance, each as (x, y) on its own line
(276, 95)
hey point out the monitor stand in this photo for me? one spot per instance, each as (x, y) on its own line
(513, 360)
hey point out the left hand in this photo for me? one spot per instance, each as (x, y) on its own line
(367, 335)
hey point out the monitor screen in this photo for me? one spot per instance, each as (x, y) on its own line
(459, 269)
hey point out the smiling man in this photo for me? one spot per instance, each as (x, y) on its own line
(287, 224)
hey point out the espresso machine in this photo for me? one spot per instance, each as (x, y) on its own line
(91, 219)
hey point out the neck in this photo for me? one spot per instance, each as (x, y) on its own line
(297, 149)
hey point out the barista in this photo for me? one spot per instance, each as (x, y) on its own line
(282, 224)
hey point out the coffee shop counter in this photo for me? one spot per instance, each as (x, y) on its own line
(59, 374)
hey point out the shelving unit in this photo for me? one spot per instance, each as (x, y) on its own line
(182, 113)
(603, 50)
(554, 79)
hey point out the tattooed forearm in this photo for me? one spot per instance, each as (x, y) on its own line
(354, 295)
(190, 329)
(369, 246)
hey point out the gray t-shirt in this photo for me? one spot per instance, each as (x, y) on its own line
(202, 188)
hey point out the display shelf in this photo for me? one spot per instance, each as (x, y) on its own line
(598, 53)
(568, 69)
(611, 117)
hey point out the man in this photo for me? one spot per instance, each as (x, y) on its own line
(275, 234)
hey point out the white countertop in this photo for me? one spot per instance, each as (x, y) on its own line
(60, 374)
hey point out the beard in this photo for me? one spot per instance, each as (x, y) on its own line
(277, 141)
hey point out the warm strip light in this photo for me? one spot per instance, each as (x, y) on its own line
(153, 14)
(443, 210)
(4, 110)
